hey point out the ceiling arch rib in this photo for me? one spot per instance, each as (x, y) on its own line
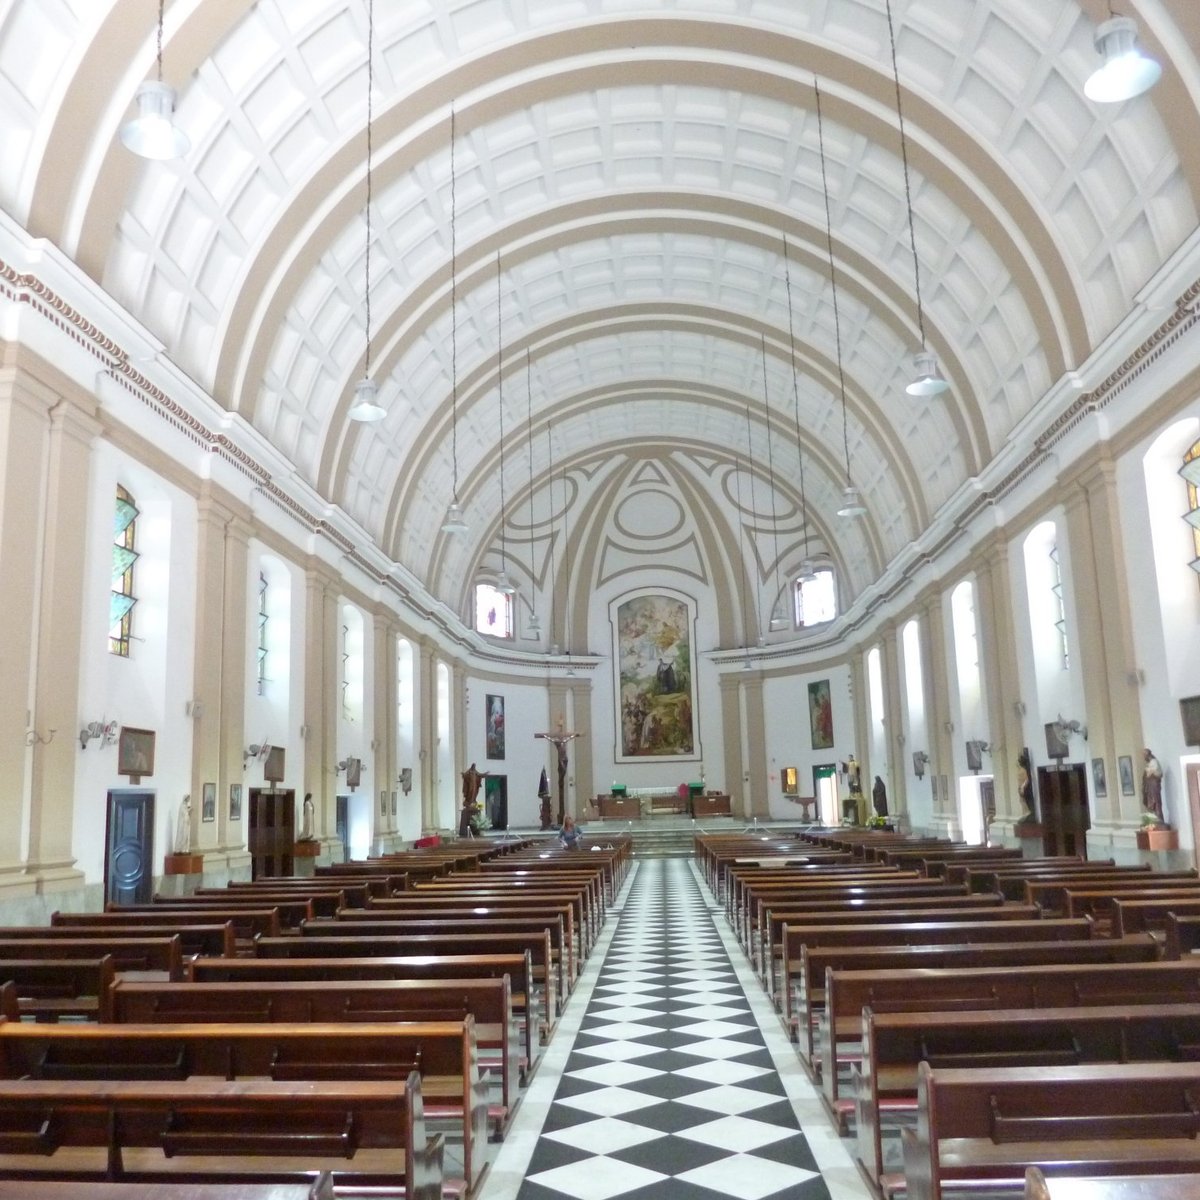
(278, 253)
(713, 351)
(689, 248)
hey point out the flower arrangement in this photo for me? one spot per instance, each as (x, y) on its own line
(877, 822)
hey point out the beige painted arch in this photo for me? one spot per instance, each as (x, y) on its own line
(687, 213)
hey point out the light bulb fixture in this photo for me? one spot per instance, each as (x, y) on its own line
(807, 573)
(504, 585)
(928, 381)
(455, 522)
(366, 407)
(1125, 71)
(153, 133)
(852, 505)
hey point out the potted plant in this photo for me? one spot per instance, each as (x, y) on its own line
(1155, 834)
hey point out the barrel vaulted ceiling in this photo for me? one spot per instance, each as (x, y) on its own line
(636, 165)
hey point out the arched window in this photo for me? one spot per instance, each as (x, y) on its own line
(1059, 605)
(815, 599)
(1191, 474)
(124, 558)
(493, 611)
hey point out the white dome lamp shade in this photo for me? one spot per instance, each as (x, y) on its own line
(852, 505)
(153, 133)
(1126, 71)
(366, 407)
(928, 381)
(455, 522)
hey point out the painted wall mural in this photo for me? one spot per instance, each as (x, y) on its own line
(656, 685)
(820, 715)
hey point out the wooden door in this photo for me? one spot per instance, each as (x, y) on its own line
(271, 836)
(129, 847)
(1193, 791)
(495, 805)
(1062, 791)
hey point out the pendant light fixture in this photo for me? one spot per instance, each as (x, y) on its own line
(366, 407)
(1126, 71)
(852, 505)
(455, 523)
(153, 133)
(503, 584)
(808, 571)
(928, 380)
(535, 624)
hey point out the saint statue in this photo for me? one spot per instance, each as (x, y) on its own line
(183, 827)
(879, 797)
(306, 819)
(560, 739)
(1152, 777)
(472, 780)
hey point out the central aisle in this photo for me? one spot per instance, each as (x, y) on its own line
(679, 1083)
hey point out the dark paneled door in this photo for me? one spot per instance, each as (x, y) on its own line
(129, 847)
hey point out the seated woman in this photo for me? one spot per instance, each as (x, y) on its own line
(569, 834)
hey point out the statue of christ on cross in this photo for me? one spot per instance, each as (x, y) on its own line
(559, 739)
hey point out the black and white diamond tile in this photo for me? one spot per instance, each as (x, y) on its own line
(669, 1091)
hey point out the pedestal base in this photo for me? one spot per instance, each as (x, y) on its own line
(183, 864)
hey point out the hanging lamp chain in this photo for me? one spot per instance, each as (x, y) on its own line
(771, 477)
(500, 389)
(741, 519)
(370, 166)
(453, 309)
(787, 280)
(837, 319)
(159, 39)
(912, 231)
(529, 429)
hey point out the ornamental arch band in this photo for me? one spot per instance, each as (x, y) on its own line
(656, 684)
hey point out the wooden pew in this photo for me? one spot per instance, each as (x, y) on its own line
(982, 1129)
(587, 908)
(1040, 1186)
(544, 939)
(321, 1188)
(796, 938)
(151, 956)
(487, 1001)
(247, 922)
(444, 1053)
(894, 1043)
(517, 967)
(1182, 936)
(891, 911)
(208, 1130)
(216, 937)
(817, 961)
(50, 988)
(1140, 914)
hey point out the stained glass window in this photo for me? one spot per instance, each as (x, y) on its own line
(124, 559)
(816, 599)
(1191, 474)
(1060, 607)
(493, 611)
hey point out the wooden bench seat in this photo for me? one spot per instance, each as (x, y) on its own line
(808, 1004)
(1149, 912)
(980, 1128)
(247, 923)
(157, 956)
(587, 907)
(292, 909)
(347, 942)
(893, 1044)
(200, 1130)
(487, 1001)
(321, 1188)
(444, 1053)
(890, 911)
(796, 938)
(517, 967)
(213, 937)
(48, 989)
(1054, 1186)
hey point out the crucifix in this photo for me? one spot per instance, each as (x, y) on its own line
(559, 739)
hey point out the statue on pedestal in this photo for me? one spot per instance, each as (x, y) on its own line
(183, 827)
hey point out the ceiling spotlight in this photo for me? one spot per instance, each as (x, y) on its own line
(1125, 72)
(852, 505)
(153, 133)
(927, 382)
(455, 522)
(366, 406)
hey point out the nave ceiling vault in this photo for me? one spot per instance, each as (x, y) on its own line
(636, 167)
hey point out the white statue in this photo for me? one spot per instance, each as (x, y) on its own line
(183, 826)
(306, 819)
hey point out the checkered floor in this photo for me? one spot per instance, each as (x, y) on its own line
(669, 1091)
